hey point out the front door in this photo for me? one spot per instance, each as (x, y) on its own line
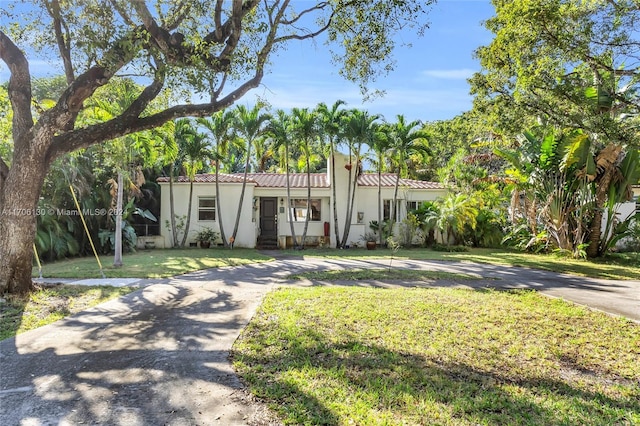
(268, 217)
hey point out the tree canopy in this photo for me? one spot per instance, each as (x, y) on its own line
(217, 49)
(573, 64)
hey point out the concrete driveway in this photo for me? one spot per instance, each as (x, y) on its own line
(159, 356)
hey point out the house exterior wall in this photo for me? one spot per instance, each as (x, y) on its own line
(227, 205)
(315, 229)
(625, 210)
(365, 202)
(368, 204)
(342, 177)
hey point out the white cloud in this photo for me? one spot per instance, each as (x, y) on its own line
(415, 102)
(459, 74)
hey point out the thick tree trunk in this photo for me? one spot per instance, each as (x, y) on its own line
(18, 210)
(595, 234)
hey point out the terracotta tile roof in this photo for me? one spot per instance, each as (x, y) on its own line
(207, 178)
(389, 179)
(265, 180)
(299, 180)
(296, 180)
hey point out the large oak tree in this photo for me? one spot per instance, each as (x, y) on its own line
(219, 49)
(569, 64)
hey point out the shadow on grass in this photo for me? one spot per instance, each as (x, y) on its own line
(50, 303)
(309, 380)
(11, 311)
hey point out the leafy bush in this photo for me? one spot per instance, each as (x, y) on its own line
(207, 234)
(449, 249)
(521, 237)
(631, 242)
(489, 230)
(407, 229)
(108, 238)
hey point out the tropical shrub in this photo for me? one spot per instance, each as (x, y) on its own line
(408, 229)
(630, 236)
(519, 235)
(449, 248)
(489, 230)
(427, 215)
(563, 186)
(108, 238)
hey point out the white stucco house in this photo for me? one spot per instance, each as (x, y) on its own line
(265, 221)
(631, 207)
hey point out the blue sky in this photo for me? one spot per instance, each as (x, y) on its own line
(428, 83)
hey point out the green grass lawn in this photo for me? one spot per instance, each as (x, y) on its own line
(152, 263)
(619, 266)
(168, 262)
(23, 313)
(348, 355)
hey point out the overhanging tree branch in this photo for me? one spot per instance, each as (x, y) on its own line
(180, 12)
(126, 124)
(19, 89)
(62, 39)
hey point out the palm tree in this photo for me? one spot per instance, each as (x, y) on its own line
(405, 140)
(380, 146)
(305, 129)
(330, 122)
(250, 125)
(279, 129)
(171, 132)
(455, 211)
(359, 130)
(195, 150)
(264, 155)
(219, 125)
(123, 151)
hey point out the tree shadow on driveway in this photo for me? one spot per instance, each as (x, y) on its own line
(155, 356)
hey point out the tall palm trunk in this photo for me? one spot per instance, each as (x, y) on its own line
(218, 209)
(353, 184)
(188, 222)
(293, 230)
(307, 216)
(117, 257)
(380, 204)
(393, 212)
(335, 202)
(172, 210)
(244, 185)
(347, 219)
